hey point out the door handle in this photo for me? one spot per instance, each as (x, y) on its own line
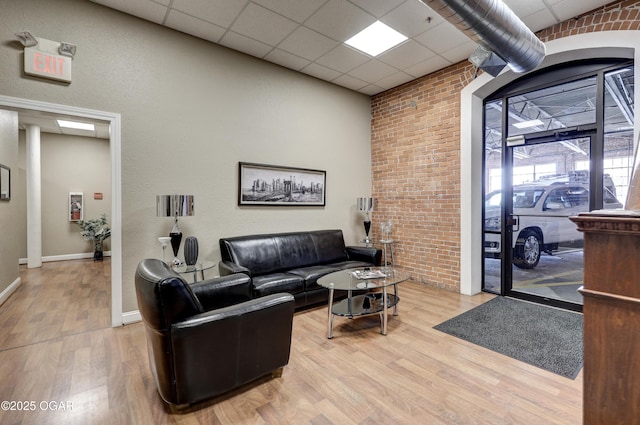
(512, 221)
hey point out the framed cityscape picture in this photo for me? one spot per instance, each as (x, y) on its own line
(274, 185)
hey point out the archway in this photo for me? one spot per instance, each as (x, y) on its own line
(623, 44)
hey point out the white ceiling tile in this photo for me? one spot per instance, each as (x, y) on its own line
(461, 52)
(245, 44)
(567, 9)
(406, 54)
(442, 37)
(371, 89)
(394, 80)
(250, 23)
(343, 58)
(427, 67)
(321, 72)
(145, 9)
(525, 8)
(410, 18)
(540, 20)
(372, 71)
(307, 43)
(298, 10)
(293, 33)
(286, 59)
(350, 82)
(378, 8)
(340, 20)
(194, 26)
(219, 12)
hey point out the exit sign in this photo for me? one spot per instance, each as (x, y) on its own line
(47, 65)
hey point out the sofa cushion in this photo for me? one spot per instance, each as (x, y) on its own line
(351, 265)
(258, 253)
(296, 250)
(329, 246)
(277, 282)
(312, 273)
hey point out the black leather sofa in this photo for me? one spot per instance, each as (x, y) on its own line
(292, 262)
(210, 337)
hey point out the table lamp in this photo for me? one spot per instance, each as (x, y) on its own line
(366, 205)
(175, 206)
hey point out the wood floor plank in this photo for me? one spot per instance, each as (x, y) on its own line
(56, 346)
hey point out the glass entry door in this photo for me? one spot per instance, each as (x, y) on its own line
(556, 144)
(548, 186)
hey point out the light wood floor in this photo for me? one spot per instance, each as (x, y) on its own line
(56, 346)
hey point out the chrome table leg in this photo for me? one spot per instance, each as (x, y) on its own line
(385, 315)
(330, 315)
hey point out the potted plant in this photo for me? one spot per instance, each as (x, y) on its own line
(96, 230)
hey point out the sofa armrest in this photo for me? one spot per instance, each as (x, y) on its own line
(365, 253)
(219, 350)
(227, 267)
(223, 291)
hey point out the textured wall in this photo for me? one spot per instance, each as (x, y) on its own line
(191, 111)
(416, 172)
(8, 209)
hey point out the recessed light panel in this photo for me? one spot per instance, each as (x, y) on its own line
(375, 39)
(76, 125)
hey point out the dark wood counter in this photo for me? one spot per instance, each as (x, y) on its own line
(611, 317)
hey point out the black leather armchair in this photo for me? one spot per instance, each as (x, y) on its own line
(210, 337)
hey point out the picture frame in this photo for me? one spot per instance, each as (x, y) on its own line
(5, 183)
(275, 185)
(76, 206)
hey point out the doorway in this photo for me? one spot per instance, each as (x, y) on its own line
(114, 121)
(556, 145)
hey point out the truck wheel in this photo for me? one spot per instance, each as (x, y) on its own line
(526, 253)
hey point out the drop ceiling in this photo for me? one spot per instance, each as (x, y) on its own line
(308, 35)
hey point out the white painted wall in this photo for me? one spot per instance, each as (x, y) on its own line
(8, 209)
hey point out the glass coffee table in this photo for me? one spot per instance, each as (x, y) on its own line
(367, 303)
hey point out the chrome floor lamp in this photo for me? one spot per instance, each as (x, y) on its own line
(366, 206)
(175, 206)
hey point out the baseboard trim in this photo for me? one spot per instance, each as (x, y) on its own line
(4, 295)
(131, 317)
(65, 257)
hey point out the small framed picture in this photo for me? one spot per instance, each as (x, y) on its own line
(5, 183)
(76, 203)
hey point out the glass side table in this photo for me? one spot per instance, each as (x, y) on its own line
(389, 243)
(200, 266)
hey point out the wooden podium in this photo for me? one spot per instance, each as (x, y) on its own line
(611, 317)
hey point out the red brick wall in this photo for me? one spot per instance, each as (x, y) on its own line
(415, 156)
(621, 15)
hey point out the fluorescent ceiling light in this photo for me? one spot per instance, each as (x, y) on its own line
(76, 125)
(527, 124)
(376, 38)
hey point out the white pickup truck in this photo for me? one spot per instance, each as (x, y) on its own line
(541, 210)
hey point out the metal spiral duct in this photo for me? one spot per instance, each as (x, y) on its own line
(493, 25)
